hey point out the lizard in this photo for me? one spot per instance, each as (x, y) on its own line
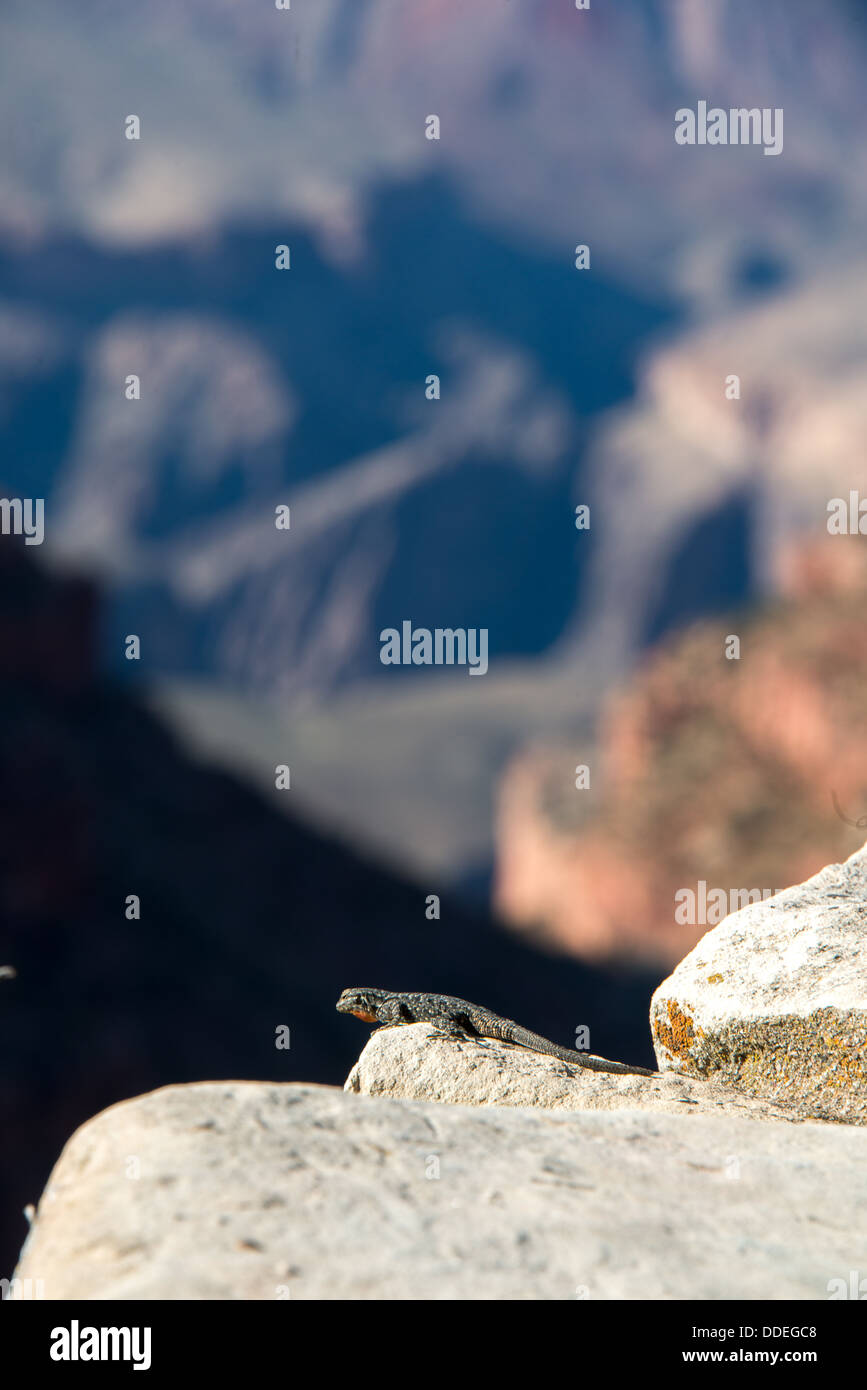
(458, 1018)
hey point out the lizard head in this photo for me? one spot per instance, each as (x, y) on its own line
(363, 1003)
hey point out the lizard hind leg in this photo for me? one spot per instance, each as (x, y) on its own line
(447, 1029)
(457, 1028)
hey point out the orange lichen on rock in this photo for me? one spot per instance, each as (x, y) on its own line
(678, 1034)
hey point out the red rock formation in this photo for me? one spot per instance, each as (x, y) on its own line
(707, 769)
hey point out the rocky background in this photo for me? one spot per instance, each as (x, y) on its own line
(413, 256)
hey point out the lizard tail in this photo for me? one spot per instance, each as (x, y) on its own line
(619, 1068)
(508, 1031)
(577, 1059)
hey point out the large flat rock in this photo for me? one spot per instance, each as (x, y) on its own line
(239, 1190)
(774, 999)
(415, 1062)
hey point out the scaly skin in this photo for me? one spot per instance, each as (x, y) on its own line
(458, 1018)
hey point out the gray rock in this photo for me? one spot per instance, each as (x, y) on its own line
(239, 1190)
(774, 999)
(414, 1062)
